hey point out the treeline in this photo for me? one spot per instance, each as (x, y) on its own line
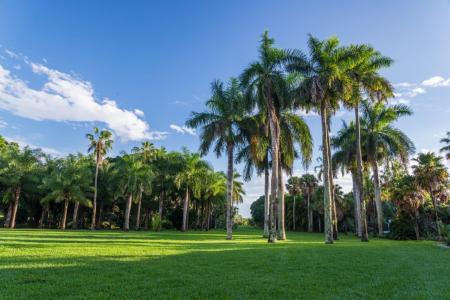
(147, 188)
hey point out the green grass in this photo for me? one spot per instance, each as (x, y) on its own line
(50, 264)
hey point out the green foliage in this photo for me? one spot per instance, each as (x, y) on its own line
(257, 211)
(156, 222)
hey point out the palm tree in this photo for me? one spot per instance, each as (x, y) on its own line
(16, 165)
(325, 80)
(134, 180)
(294, 188)
(308, 183)
(344, 158)
(432, 176)
(266, 89)
(446, 147)
(188, 178)
(221, 124)
(364, 75)
(100, 142)
(68, 182)
(382, 140)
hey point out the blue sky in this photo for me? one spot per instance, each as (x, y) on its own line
(140, 67)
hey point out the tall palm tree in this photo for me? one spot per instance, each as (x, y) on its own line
(16, 166)
(446, 147)
(221, 125)
(432, 176)
(381, 140)
(364, 75)
(344, 158)
(100, 142)
(266, 89)
(325, 81)
(188, 178)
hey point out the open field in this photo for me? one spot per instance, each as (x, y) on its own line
(38, 264)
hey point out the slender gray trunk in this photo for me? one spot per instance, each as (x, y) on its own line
(15, 207)
(274, 181)
(230, 154)
(309, 211)
(328, 223)
(64, 218)
(138, 214)
(8, 215)
(356, 189)
(266, 201)
(319, 221)
(75, 215)
(359, 176)
(378, 203)
(433, 201)
(41, 219)
(293, 213)
(281, 206)
(185, 210)
(94, 203)
(161, 203)
(126, 223)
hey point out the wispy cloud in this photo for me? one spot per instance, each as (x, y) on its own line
(405, 91)
(65, 97)
(183, 129)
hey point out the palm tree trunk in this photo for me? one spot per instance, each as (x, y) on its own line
(8, 215)
(146, 216)
(160, 206)
(293, 213)
(266, 200)
(41, 219)
(378, 203)
(358, 228)
(94, 203)
(185, 210)
(319, 221)
(328, 223)
(416, 225)
(64, 218)
(309, 211)
(75, 215)
(433, 201)
(100, 215)
(229, 189)
(126, 224)
(359, 176)
(138, 214)
(281, 206)
(274, 180)
(15, 207)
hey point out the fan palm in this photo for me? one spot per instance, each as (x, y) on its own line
(221, 124)
(100, 142)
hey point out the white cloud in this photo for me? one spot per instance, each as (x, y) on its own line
(3, 124)
(183, 129)
(138, 112)
(11, 53)
(436, 81)
(64, 97)
(157, 135)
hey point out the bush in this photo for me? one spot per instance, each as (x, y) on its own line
(156, 223)
(445, 231)
(402, 228)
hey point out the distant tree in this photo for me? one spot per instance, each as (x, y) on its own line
(446, 147)
(432, 176)
(294, 188)
(100, 142)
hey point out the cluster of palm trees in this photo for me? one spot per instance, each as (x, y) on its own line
(257, 119)
(40, 189)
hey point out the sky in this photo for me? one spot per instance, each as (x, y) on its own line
(139, 68)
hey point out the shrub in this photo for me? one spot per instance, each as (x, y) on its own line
(402, 228)
(156, 223)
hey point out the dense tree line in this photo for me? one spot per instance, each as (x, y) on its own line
(253, 120)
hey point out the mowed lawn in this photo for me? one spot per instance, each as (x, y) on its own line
(50, 264)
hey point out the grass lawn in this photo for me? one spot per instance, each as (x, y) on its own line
(50, 264)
